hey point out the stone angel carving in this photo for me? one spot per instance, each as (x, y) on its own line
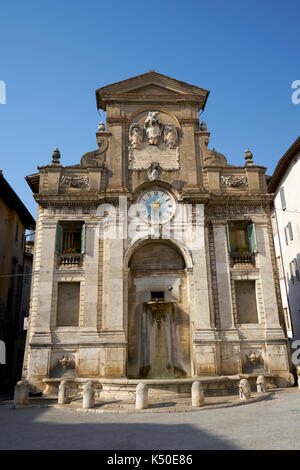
(170, 135)
(135, 135)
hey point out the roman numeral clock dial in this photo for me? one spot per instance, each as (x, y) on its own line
(159, 205)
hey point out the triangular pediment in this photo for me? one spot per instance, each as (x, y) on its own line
(152, 89)
(150, 84)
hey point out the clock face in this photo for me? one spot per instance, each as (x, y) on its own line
(157, 206)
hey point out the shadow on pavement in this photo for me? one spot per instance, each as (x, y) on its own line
(45, 428)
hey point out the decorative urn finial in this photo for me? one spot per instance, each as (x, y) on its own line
(248, 157)
(101, 127)
(55, 157)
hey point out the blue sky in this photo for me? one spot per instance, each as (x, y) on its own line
(54, 54)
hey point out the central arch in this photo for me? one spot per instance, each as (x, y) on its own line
(158, 311)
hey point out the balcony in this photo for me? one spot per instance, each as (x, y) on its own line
(242, 260)
(69, 260)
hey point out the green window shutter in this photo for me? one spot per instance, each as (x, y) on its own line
(282, 197)
(286, 236)
(59, 239)
(252, 238)
(228, 238)
(82, 248)
(289, 225)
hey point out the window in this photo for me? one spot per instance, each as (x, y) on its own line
(241, 237)
(288, 233)
(294, 271)
(157, 296)
(282, 197)
(70, 238)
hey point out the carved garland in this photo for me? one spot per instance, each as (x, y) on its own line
(74, 181)
(234, 181)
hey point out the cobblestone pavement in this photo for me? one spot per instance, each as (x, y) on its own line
(270, 424)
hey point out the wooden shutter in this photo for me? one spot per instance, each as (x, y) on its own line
(252, 238)
(228, 238)
(59, 238)
(82, 248)
(282, 197)
(289, 225)
(286, 236)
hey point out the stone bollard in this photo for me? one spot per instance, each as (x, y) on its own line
(141, 396)
(261, 384)
(197, 394)
(244, 389)
(20, 394)
(63, 392)
(88, 395)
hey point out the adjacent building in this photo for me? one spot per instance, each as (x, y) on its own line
(286, 230)
(154, 257)
(14, 220)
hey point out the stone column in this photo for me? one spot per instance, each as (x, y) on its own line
(40, 314)
(91, 277)
(204, 335)
(230, 343)
(223, 275)
(113, 339)
(264, 262)
(89, 354)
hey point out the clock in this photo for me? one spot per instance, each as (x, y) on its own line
(156, 206)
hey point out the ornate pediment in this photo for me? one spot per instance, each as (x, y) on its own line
(150, 84)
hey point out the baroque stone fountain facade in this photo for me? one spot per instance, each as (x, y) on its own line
(154, 257)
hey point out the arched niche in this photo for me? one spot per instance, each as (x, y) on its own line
(158, 311)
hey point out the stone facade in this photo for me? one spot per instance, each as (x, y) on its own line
(155, 233)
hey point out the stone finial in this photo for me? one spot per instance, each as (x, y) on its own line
(20, 393)
(141, 396)
(203, 126)
(248, 157)
(244, 389)
(261, 384)
(197, 394)
(101, 127)
(55, 157)
(63, 392)
(88, 395)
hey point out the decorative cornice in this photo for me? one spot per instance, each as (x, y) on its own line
(59, 200)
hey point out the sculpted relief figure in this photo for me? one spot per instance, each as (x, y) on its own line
(154, 172)
(135, 135)
(170, 135)
(153, 128)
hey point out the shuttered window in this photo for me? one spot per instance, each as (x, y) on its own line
(241, 239)
(70, 239)
(282, 197)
